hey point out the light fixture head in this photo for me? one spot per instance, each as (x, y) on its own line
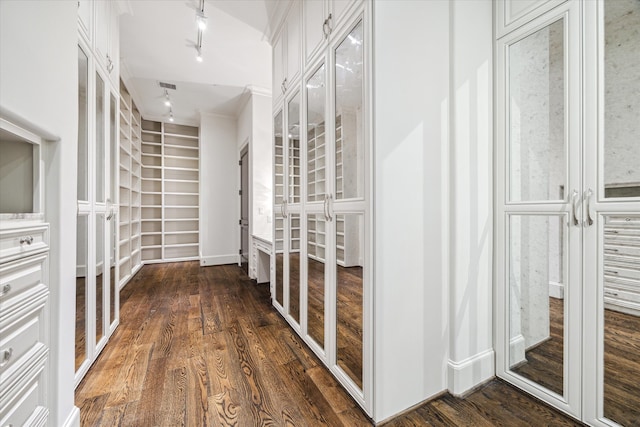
(171, 117)
(198, 54)
(201, 20)
(167, 102)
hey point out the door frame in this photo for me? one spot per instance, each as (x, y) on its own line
(244, 150)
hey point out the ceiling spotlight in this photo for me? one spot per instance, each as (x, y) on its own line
(171, 117)
(199, 54)
(167, 100)
(201, 19)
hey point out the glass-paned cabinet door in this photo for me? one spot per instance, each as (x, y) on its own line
(349, 241)
(293, 149)
(537, 148)
(278, 160)
(82, 243)
(316, 283)
(83, 125)
(621, 174)
(316, 152)
(295, 264)
(101, 274)
(279, 254)
(100, 157)
(349, 120)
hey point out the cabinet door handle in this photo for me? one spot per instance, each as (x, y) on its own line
(610, 293)
(6, 357)
(326, 207)
(574, 206)
(611, 272)
(587, 198)
(326, 28)
(5, 289)
(27, 239)
(329, 198)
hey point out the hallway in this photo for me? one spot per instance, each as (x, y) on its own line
(203, 346)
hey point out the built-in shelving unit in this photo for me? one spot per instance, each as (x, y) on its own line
(130, 200)
(170, 192)
(316, 155)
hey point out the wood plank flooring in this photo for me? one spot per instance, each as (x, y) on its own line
(204, 347)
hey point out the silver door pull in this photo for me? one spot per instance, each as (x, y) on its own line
(587, 198)
(574, 204)
(6, 357)
(27, 239)
(5, 289)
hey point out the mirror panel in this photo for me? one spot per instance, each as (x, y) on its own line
(294, 266)
(537, 272)
(349, 123)
(293, 157)
(83, 126)
(82, 246)
(279, 245)
(349, 294)
(537, 147)
(621, 98)
(622, 318)
(100, 276)
(316, 227)
(100, 139)
(316, 155)
(278, 153)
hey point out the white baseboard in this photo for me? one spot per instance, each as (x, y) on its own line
(471, 372)
(219, 260)
(517, 350)
(556, 290)
(73, 420)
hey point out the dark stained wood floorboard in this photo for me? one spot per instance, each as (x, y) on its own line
(204, 347)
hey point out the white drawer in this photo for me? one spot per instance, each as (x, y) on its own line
(20, 242)
(20, 335)
(621, 270)
(624, 220)
(624, 250)
(23, 401)
(20, 276)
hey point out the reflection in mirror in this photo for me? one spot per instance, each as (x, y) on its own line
(537, 273)
(315, 277)
(100, 133)
(100, 266)
(622, 319)
(83, 126)
(621, 98)
(279, 240)
(294, 266)
(293, 136)
(349, 294)
(113, 146)
(349, 148)
(81, 289)
(113, 246)
(316, 95)
(537, 147)
(278, 153)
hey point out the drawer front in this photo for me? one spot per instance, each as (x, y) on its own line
(19, 277)
(21, 242)
(27, 403)
(618, 269)
(17, 338)
(624, 250)
(623, 220)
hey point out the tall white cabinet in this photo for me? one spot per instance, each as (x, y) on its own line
(24, 280)
(321, 271)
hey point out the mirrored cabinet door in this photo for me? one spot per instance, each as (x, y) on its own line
(82, 284)
(295, 263)
(316, 141)
(316, 278)
(293, 150)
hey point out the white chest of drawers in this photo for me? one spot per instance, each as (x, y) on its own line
(24, 325)
(622, 263)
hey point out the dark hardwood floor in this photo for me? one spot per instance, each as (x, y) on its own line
(204, 347)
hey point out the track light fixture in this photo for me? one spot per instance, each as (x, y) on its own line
(201, 20)
(167, 100)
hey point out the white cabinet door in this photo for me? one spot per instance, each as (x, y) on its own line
(103, 25)
(314, 13)
(278, 67)
(85, 18)
(293, 43)
(338, 11)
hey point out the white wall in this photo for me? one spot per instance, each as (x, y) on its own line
(219, 184)
(38, 81)
(471, 358)
(411, 63)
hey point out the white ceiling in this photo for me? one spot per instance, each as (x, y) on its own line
(157, 43)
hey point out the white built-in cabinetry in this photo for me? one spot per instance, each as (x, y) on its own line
(129, 221)
(24, 280)
(321, 206)
(98, 23)
(170, 192)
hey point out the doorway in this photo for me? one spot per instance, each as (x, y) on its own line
(244, 208)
